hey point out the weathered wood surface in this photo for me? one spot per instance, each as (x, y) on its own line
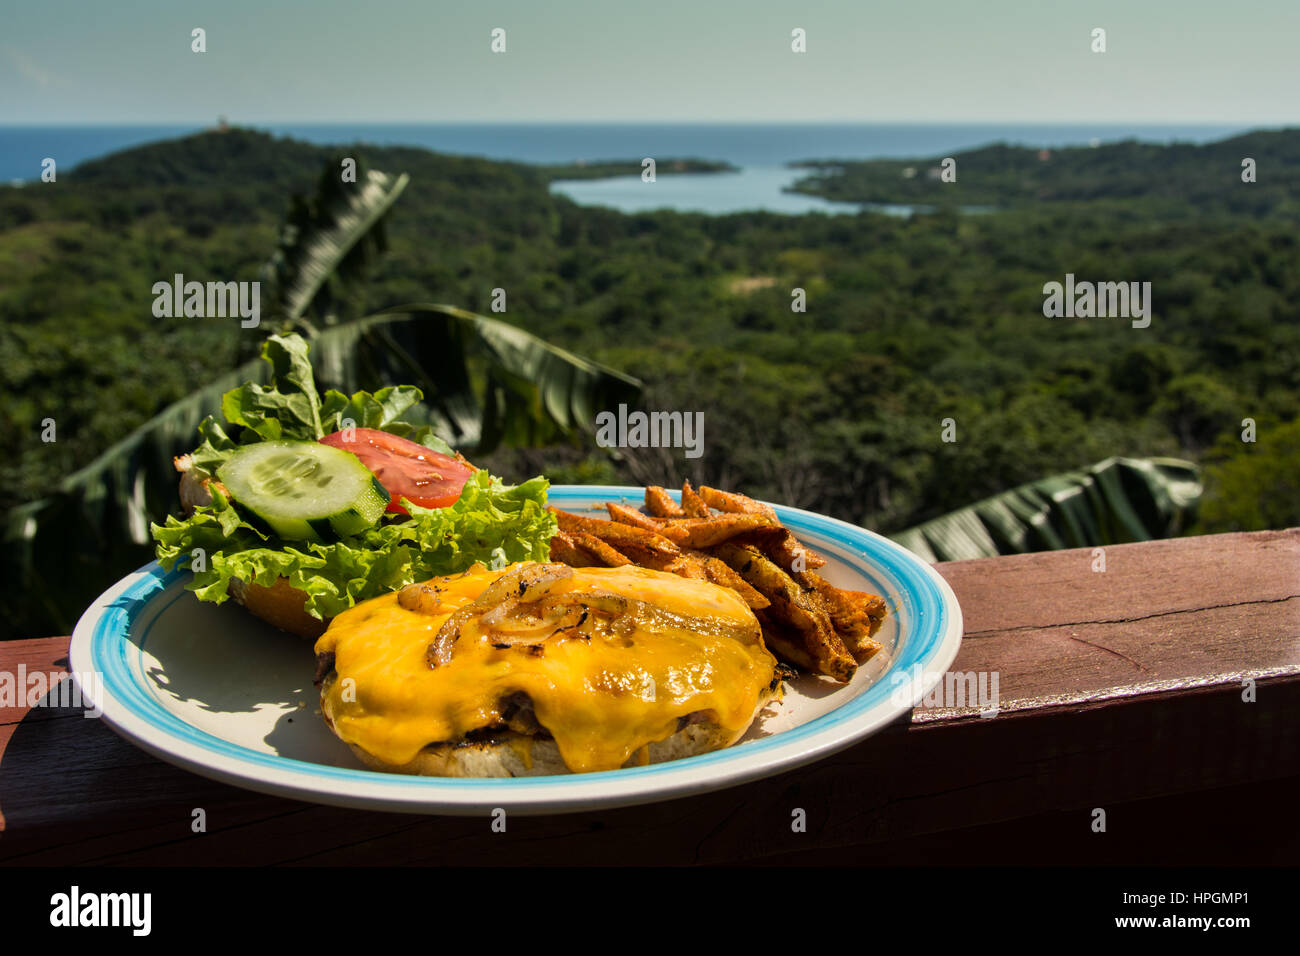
(1121, 690)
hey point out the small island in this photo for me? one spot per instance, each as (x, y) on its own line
(609, 168)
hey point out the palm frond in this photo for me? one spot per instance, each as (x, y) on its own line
(1112, 502)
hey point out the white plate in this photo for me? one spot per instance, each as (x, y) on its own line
(216, 691)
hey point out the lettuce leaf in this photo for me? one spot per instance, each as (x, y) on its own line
(491, 522)
(216, 447)
(289, 408)
(380, 410)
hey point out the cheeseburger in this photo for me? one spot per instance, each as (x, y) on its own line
(543, 669)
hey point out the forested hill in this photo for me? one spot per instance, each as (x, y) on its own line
(221, 158)
(242, 175)
(1209, 175)
(243, 156)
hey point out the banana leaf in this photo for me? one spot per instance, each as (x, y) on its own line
(526, 393)
(1112, 502)
(485, 383)
(331, 236)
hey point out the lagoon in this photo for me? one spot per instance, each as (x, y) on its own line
(750, 188)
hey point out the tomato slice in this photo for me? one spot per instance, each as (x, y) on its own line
(405, 468)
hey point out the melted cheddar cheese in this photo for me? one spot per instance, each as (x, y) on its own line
(602, 699)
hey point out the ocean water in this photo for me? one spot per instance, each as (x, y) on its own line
(753, 187)
(761, 150)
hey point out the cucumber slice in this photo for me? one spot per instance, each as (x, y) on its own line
(304, 490)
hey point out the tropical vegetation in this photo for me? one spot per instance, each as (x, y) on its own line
(922, 376)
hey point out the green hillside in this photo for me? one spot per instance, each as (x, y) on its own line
(1186, 177)
(908, 322)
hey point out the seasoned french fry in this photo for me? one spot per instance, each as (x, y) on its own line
(645, 558)
(707, 532)
(648, 557)
(862, 647)
(850, 614)
(780, 544)
(601, 550)
(612, 532)
(660, 504)
(692, 504)
(719, 572)
(792, 606)
(564, 549)
(733, 502)
(680, 563)
(625, 515)
(851, 610)
(687, 566)
(856, 615)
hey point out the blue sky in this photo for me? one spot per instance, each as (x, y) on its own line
(129, 61)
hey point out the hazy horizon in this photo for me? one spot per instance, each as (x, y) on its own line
(776, 121)
(404, 61)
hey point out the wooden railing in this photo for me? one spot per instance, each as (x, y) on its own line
(1164, 690)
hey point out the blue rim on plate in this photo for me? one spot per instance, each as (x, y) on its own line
(108, 640)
